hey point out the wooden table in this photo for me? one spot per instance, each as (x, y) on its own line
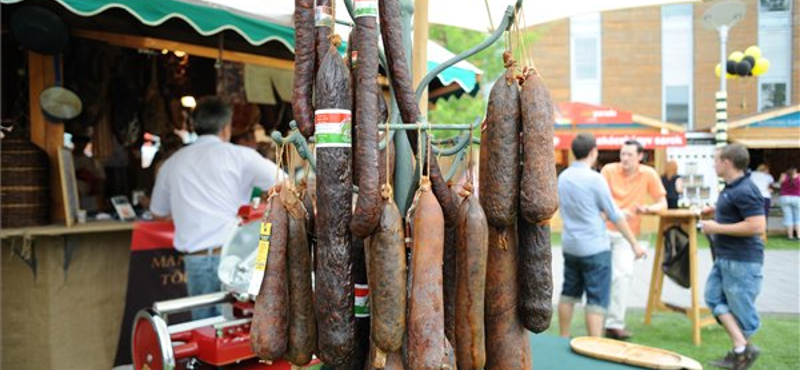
(687, 219)
(59, 229)
(62, 302)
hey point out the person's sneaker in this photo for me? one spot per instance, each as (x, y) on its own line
(744, 361)
(619, 334)
(738, 361)
(726, 362)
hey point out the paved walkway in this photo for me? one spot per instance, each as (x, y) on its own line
(780, 290)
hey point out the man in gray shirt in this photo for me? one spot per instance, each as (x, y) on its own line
(584, 198)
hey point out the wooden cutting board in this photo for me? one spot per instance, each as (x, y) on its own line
(632, 354)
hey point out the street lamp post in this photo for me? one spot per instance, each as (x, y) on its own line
(721, 17)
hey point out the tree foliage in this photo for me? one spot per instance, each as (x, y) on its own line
(467, 108)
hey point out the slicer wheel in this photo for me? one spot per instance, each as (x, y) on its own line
(151, 347)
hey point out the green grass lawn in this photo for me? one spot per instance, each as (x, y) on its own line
(774, 242)
(778, 338)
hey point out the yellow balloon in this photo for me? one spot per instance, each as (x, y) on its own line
(753, 51)
(761, 67)
(731, 76)
(718, 70)
(736, 56)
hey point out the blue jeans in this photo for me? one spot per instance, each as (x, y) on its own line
(590, 274)
(201, 278)
(732, 287)
(790, 205)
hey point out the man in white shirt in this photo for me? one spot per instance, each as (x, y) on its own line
(764, 180)
(201, 187)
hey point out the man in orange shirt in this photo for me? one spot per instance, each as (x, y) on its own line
(630, 183)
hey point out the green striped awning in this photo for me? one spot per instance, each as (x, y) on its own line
(255, 21)
(206, 18)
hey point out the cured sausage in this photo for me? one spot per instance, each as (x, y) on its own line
(507, 345)
(426, 340)
(352, 64)
(323, 25)
(389, 361)
(308, 204)
(538, 191)
(449, 271)
(535, 276)
(387, 278)
(303, 66)
(270, 324)
(368, 210)
(392, 34)
(302, 325)
(360, 355)
(500, 188)
(473, 241)
(334, 280)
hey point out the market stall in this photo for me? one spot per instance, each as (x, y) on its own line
(773, 129)
(611, 128)
(771, 136)
(65, 282)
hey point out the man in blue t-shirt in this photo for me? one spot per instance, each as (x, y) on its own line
(735, 279)
(584, 197)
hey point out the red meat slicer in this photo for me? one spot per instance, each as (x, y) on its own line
(221, 342)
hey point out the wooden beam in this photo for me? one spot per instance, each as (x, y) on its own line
(765, 133)
(141, 42)
(47, 135)
(652, 122)
(763, 116)
(419, 65)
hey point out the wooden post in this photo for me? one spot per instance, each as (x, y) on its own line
(48, 136)
(688, 222)
(660, 160)
(695, 309)
(657, 277)
(419, 65)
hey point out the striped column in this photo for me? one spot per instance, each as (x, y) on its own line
(721, 127)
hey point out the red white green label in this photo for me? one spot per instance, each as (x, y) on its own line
(366, 8)
(362, 300)
(354, 58)
(332, 128)
(323, 16)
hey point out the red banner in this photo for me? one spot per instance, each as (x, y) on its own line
(575, 113)
(615, 141)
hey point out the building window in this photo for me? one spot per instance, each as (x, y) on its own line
(586, 70)
(677, 64)
(773, 95)
(676, 106)
(586, 63)
(775, 40)
(775, 5)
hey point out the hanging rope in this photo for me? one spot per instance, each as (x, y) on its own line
(280, 176)
(530, 51)
(386, 190)
(489, 14)
(428, 149)
(421, 152)
(470, 175)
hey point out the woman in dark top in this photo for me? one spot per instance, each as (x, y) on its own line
(673, 183)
